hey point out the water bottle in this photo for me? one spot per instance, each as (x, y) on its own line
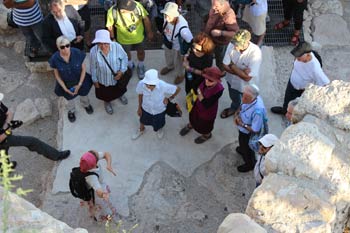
(72, 89)
(189, 76)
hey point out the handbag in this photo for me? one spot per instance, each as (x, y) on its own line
(173, 110)
(255, 137)
(191, 98)
(10, 21)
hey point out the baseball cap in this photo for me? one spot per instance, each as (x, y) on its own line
(301, 49)
(241, 38)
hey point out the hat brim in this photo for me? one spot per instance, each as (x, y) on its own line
(151, 82)
(171, 14)
(101, 40)
(298, 52)
(211, 78)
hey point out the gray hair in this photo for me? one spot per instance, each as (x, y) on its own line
(294, 102)
(58, 2)
(252, 89)
(62, 40)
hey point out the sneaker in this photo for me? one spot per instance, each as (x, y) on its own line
(140, 72)
(71, 116)
(132, 66)
(123, 99)
(64, 154)
(165, 70)
(89, 110)
(160, 133)
(137, 134)
(108, 108)
(179, 79)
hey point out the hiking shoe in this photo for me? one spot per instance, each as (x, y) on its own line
(160, 133)
(71, 116)
(245, 168)
(140, 71)
(179, 79)
(64, 154)
(201, 139)
(123, 99)
(165, 70)
(108, 108)
(137, 134)
(185, 130)
(89, 110)
(239, 150)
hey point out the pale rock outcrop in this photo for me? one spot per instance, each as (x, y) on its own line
(331, 103)
(308, 183)
(38, 67)
(19, 46)
(289, 204)
(44, 107)
(238, 223)
(27, 112)
(330, 29)
(25, 217)
(4, 28)
(299, 152)
(10, 80)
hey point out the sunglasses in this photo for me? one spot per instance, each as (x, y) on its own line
(195, 49)
(65, 46)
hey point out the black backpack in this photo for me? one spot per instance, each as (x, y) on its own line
(78, 186)
(318, 56)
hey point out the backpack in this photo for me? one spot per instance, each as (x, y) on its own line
(115, 10)
(184, 45)
(318, 56)
(78, 186)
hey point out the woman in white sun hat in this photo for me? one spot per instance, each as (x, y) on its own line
(154, 94)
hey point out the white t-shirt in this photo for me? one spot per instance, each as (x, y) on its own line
(250, 58)
(67, 28)
(259, 8)
(152, 101)
(259, 169)
(186, 34)
(92, 180)
(306, 73)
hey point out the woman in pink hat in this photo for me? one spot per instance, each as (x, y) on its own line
(203, 113)
(100, 209)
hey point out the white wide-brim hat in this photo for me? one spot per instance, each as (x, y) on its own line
(151, 77)
(268, 140)
(1, 96)
(171, 9)
(102, 36)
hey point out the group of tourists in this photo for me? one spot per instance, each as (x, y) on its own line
(237, 57)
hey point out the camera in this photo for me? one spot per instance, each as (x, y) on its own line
(132, 28)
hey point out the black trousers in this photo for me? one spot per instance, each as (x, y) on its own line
(33, 144)
(290, 94)
(248, 154)
(292, 8)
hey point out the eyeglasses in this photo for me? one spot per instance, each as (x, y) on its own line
(148, 85)
(65, 46)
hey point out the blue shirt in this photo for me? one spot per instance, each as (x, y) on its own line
(69, 72)
(253, 114)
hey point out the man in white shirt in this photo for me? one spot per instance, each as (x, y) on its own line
(265, 144)
(307, 69)
(242, 62)
(154, 95)
(175, 26)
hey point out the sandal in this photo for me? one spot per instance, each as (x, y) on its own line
(226, 113)
(281, 25)
(202, 139)
(185, 130)
(295, 39)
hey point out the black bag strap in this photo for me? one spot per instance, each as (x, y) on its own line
(180, 31)
(109, 66)
(172, 34)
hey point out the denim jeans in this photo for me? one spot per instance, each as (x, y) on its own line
(33, 144)
(33, 34)
(235, 96)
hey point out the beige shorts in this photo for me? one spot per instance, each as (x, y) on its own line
(257, 23)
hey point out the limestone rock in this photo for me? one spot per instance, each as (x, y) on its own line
(44, 106)
(288, 204)
(19, 47)
(331, 103)
(27, 112)
(4, 28)
(238, 223)
(25, 217)
(330, 29)
(302, 152)
(10, 80)
(38, 67)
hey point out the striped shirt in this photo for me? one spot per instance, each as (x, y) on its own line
(29, 16)
(117, 59)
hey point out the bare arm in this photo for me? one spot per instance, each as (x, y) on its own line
(139, 110)
(233, 69)
(107, 156)
(60, 82)
(148, 28)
